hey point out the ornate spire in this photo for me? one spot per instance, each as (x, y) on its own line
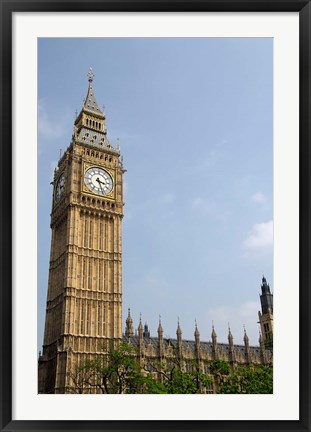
(90, 105)
(231, 347)
(141, 347)
(178, 332)
(214, 341)
(140, 326)
(90, 74)
(90, 124)
(129, 325)
(160, 339)
(247, 348)
(230, 337)
(160, 329)
(214, 335)
(196, 332)
(179, 340)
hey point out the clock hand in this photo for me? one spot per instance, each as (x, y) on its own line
(100, 184)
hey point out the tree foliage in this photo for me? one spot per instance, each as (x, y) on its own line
(175, 379)
(114, 373)
(247, 380)
(219, 367)
(121, 372)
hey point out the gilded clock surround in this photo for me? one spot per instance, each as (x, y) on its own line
(60, 187)
(111, 172)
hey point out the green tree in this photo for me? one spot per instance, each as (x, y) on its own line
(114, 373)
(175, 380)
(119, 371)
(249, 380)
(219, 367)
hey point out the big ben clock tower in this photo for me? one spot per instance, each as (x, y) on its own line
(84, 300)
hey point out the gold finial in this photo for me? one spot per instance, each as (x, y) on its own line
(90, 74)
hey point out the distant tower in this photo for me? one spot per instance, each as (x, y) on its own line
(266, 314)
(84, 300)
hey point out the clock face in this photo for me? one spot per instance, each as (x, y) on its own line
(98, 181)
(60, 188)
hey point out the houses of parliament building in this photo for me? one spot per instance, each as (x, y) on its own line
(84, 299)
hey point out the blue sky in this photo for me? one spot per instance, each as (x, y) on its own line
(194, 119)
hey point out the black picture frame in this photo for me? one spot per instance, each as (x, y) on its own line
(7, 9)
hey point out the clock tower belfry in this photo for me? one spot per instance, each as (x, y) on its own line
(84, 299)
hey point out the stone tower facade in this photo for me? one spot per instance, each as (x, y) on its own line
(84, 300)
(266, 314)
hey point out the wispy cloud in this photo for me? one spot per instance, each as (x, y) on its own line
(260, 238)
(259, 198)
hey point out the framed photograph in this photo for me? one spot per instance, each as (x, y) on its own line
(155, 216)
